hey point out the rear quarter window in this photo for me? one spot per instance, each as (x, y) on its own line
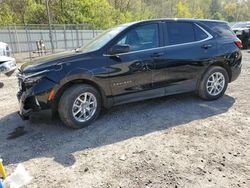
(199, 34)
(221, 28)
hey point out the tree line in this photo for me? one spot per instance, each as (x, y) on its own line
(107, 13)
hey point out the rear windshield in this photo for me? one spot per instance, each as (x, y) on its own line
(221, 28)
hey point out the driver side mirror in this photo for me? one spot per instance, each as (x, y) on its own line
(118, 49)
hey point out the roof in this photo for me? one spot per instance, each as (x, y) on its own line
(178, 19)
(190, 19)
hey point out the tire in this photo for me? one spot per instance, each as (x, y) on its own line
(209, 90)
(72, 101)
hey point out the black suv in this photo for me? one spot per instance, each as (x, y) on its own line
(132, 62)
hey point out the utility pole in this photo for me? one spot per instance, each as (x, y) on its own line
(171, 8)
(50, 27)
(141, 10)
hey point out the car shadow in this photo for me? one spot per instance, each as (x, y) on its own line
(48, 138)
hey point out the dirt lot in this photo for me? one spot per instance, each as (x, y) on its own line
(177, 141)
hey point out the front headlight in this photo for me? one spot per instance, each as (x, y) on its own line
(32, 80)
(8, 66)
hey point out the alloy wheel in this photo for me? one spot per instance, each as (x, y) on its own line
(84, 107)
(215, 83)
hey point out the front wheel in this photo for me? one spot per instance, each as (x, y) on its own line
(214, 83)
(79, 106)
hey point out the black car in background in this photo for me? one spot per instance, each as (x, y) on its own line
(132, 62)
(242, 31)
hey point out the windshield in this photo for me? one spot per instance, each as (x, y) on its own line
(102, 39)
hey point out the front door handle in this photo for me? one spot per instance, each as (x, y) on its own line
(157, 54)
(206, 46)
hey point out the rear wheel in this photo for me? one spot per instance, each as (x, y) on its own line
(214, 83)
(79, 106)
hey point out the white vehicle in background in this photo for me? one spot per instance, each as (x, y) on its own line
(242, 31)
(7, 63)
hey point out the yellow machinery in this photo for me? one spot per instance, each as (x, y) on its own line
(2, 170)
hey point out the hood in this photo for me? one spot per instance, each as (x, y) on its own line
(6, 58)
(2, 44)
(49, 61)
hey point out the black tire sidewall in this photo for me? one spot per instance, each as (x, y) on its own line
(203, 84)
(66, 103)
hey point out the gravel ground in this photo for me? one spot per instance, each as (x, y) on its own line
(177, 141)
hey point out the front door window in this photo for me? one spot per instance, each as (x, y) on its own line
(141, 38)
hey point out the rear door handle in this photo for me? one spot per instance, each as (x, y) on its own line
(206, 46)
(157, 54)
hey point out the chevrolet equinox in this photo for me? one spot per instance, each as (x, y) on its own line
(132, 62)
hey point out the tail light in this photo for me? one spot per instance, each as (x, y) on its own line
(238, 43)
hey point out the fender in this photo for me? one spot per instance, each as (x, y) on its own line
(81, 75)
(219, 61)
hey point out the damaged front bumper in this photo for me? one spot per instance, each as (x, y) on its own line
(34, 98)
(28, 104)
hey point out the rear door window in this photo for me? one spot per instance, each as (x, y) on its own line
(180, 32)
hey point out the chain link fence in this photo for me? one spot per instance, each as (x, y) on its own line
(23, 39)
